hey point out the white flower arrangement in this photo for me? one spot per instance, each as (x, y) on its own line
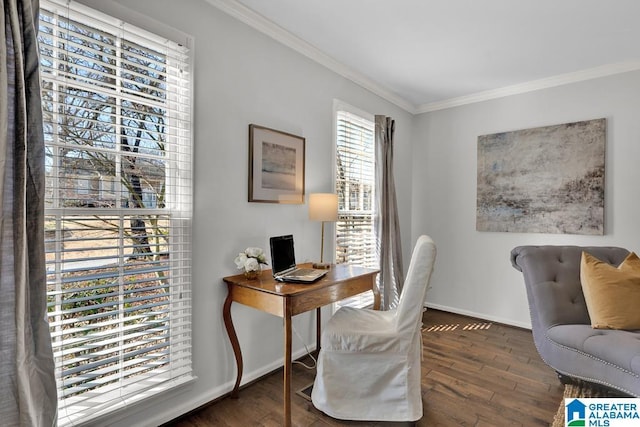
(250, 259)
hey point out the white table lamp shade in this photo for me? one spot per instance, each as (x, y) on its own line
(323, 207)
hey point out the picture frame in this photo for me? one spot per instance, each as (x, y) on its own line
(276, 166)
(548, 179)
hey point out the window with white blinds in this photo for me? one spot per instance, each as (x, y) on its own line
(355, 183)
(117, 122)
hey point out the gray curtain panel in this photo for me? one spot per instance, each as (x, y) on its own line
(391, 277)
(27, 382)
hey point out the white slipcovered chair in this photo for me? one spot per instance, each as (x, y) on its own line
(369, 362)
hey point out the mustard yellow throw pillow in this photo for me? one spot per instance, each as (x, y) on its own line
(612, 293)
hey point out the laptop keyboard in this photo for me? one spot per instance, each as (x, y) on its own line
(303, 272)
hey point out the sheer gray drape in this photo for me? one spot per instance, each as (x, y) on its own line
(391, 277)
(27, 383)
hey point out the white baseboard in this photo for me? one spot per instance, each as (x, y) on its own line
(484, 316)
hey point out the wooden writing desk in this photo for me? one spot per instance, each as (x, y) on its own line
(288, 299)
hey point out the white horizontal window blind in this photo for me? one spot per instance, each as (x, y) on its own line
(117, 121)
(355, 183)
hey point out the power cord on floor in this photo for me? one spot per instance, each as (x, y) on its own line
(315, 362)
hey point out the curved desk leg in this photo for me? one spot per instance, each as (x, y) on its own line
(231, 332)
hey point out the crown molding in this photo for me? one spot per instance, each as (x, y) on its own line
(549, 82)
(265, 26)
(262, 24)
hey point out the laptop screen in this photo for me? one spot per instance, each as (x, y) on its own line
(282, 253)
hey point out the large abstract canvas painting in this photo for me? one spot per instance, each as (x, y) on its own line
(543, 180)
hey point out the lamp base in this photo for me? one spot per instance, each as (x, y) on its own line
(321, 265)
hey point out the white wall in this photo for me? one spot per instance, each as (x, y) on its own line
(243, 77)
(473, 272)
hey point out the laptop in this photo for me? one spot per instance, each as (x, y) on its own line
(283, 261)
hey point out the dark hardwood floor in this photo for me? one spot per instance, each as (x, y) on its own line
(474, 373)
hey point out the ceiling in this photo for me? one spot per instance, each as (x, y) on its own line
(425, 53)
